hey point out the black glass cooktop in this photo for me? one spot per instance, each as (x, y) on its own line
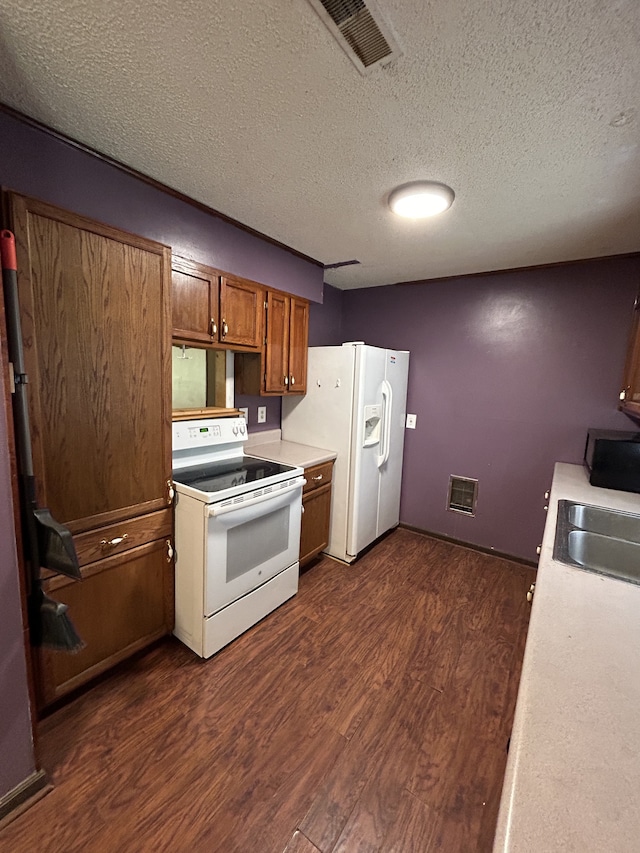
(217, 476)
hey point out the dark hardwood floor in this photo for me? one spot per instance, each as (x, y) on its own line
(369, 713)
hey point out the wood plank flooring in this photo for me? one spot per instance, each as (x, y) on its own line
(369, 713)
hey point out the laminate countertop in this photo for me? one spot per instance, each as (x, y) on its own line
(286, 452)
(572, 781)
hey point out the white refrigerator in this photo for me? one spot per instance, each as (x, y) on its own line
(355, 405)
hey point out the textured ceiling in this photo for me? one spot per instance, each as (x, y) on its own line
(253, 109)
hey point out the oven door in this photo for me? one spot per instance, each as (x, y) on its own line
(250, 539)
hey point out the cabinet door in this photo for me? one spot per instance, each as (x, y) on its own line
(314, 531)
(125, 603)
(241, 312)
(277, 346)
(194, 302)
(95, 313)
(298, 341)
(630, 394)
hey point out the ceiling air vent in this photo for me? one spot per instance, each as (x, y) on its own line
(360, 30)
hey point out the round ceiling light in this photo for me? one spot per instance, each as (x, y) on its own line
(420, 199)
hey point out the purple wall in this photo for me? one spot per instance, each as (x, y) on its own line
(274, 409)
(507, 372)
(35, 163)
(16, 747)
(325, 321)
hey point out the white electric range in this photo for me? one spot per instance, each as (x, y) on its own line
(237, 522)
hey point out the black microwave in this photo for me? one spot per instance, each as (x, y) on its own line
(612, 458)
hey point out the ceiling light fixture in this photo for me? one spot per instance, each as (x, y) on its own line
(420, 199)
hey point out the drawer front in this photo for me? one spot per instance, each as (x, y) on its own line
(116, 538)
(318, 475)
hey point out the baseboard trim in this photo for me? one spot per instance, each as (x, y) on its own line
(502, 554)
(23, 796)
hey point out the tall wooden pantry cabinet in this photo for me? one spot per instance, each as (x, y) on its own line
(95, 310)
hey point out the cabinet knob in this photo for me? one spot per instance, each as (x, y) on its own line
(538, 550)
(623, 394)
(545, 508)
(293, 380)
(546, 496)
(214, 328)
(286, 380)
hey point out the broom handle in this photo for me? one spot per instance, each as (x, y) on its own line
(21, 408)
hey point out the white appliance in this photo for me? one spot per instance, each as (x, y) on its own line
(355, 405)
(237, 521)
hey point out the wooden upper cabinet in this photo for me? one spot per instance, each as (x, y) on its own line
(276, 375)
(298, 346)
(241, 312)
(630, 394)
(209, 307)
(282, 368)
(94, 305)
(286, 344)
(194, 302)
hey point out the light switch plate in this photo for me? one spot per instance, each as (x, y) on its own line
(262, 414)
(244, 411)
(411, 421)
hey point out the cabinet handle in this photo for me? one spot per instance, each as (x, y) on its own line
(546, 496)
(531, 592)
(319, 477)
(286, 380)
(623, 394)
(225, 328)
(214, 328)
(111, 543)
(170, 551)
(293, 380)
(302, 509)
(170, 492)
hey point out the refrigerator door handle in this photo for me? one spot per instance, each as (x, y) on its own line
(387, 402)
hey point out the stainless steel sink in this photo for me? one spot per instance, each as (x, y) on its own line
(599, 540)
(622, 525)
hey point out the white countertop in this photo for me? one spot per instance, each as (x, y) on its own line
(572, 781)
(286, 452)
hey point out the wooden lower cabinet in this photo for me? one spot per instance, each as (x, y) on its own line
(123, 603)
(316, 511)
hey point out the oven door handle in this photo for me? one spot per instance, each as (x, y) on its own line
(216, 510)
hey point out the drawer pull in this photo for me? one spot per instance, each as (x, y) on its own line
(111, 543)
(318, 477)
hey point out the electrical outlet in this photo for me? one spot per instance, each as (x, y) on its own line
(244, 411)
(411, 421)
(262, 414)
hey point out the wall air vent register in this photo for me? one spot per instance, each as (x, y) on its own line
(463, 494)
(361, 31)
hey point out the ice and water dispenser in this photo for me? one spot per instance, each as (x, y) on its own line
(372, 425)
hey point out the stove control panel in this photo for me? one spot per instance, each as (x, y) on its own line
(208, 432)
